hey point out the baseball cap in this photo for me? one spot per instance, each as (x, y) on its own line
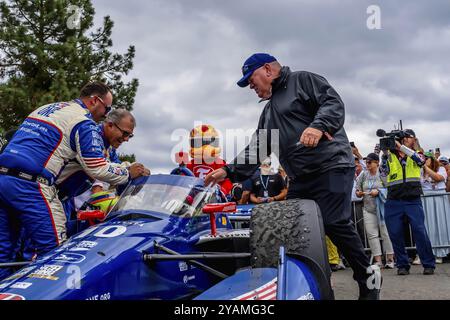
(443, 159)
(372, 156)
(410, 133)
(255, 61)
(429, 154)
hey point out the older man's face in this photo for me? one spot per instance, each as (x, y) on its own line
(118, 133)
(261, 82)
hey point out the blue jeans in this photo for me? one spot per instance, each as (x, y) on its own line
(394, 213)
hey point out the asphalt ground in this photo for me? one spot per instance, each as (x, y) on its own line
(414, 286)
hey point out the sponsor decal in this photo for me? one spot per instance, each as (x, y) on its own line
(70, 257)
(202, 171)
(64, 246)
(187, 278)
(4, 285)
(183, 266)
(104, 296)
(21, 285)
(47, 272)
(11, 296)
(84, 246)
(224, 221)
(20, 273)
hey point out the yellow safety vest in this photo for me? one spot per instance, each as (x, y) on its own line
(396, 174)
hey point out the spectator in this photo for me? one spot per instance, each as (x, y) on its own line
(368, 184)
(437, 153)
(437, 207)
(268, 186)
(357, 204)
(402, 168)
(434, 176)
(247, 188)
(360, 165)
(444, 162)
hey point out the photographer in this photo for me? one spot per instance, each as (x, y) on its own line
(401, 166)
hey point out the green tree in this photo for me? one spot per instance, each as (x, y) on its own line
(127, 157)
(47, 55)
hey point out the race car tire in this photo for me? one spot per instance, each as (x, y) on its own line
(297, 225)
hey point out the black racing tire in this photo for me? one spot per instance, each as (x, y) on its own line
(295, 224)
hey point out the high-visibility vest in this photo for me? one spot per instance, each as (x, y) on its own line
(399, 174)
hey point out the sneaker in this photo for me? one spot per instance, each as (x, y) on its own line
(438, 260)
(428, 271)
(389, 265)
(416, 261)
(403, 272)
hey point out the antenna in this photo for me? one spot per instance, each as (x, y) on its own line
(401, 125)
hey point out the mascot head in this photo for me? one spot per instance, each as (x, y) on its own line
(204, 142)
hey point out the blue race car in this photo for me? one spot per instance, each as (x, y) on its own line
(168, 237)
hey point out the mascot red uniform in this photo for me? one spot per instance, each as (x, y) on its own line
(205, 154)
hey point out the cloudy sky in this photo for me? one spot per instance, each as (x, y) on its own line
(189, 55)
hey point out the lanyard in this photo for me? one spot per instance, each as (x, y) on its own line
(262, 182)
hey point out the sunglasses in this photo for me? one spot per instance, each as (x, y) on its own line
(107, 108)
(125, 134)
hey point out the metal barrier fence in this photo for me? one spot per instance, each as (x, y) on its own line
(358, 218)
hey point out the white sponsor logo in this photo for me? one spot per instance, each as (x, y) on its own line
(70, 257)
(46, 272)
(183, 266)
(21, 285)
(83, 246)
(187, 278)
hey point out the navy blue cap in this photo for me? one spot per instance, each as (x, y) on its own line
(255, 61)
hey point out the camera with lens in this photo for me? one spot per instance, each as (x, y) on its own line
(387, 141)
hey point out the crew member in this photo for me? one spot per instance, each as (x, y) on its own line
(50, 137)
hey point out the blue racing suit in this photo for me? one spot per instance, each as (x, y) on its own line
(48, 139)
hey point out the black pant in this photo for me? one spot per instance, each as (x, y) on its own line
(332, 192)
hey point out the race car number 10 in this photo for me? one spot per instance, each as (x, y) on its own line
(104, 232)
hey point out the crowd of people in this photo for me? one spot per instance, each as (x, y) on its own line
(388, 207)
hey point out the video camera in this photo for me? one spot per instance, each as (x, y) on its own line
(387, 141)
